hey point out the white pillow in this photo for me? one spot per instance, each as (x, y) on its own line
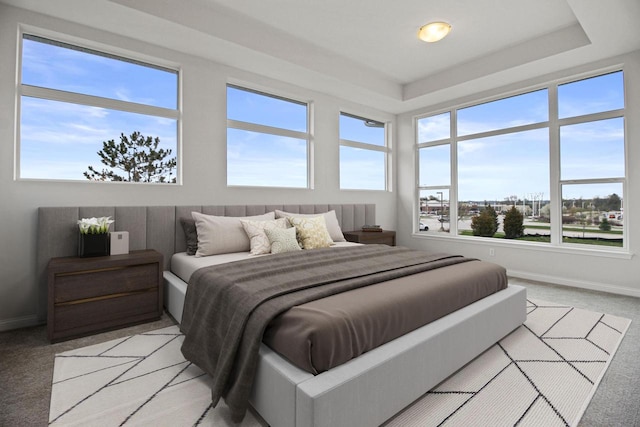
(257, 236)
(223, 234)
(282, 239)
(312, 232)
(330, 219)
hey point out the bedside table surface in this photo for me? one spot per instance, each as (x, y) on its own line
(385, 237)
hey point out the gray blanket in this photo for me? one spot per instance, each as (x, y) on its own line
(227, 307)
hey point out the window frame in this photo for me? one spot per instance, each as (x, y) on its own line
(385, 149)
(49, 94)
(554, 124)
(271, 130)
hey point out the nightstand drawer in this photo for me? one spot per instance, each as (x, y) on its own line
(94, 283)
(77, 318)
(95, 294)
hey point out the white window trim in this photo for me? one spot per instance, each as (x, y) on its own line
(590, 250)
(94, 101)
(272, 130)
(97, 101)
(254, 127)
(386, 149)
(553, 124)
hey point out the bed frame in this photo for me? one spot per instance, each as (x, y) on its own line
(367, 390)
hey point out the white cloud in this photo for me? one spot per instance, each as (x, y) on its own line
(434, 128)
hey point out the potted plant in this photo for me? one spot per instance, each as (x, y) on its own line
(93, 239)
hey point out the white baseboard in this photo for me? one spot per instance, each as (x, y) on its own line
(594, 286)
(18, 322)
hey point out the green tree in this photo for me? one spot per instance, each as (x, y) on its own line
(138, 157)
(613, 202)
(605, 225)
(486, 223)
(513, 224)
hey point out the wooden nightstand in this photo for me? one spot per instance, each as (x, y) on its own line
(89, 295)
(385, 237)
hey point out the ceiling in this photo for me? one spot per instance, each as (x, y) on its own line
(367, 50)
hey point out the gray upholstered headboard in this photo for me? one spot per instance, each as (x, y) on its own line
(158, 227)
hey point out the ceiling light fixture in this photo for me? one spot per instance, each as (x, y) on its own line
(434, 31)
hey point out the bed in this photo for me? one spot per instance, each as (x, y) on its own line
(365, 391)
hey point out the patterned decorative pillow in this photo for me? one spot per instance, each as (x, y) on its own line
(333, 226)
(190, 233)
(282, 240)
(256, 231)
(312, 232)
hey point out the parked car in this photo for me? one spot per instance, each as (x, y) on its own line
(424, 227)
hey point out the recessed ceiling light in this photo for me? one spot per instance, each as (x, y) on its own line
(434, 31)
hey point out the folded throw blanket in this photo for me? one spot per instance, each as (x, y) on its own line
(227, 307)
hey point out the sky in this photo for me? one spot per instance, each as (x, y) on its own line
(517, 164)
(260, 159)
(256, 158)
(59, 140)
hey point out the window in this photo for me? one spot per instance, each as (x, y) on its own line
(363, 153)
(500, 154)
(268, 140)
(592, 160)
(74, 101)
(434, 172)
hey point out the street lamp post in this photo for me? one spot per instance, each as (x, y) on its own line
(441, 211)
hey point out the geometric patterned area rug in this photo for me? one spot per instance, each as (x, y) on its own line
(141, 380)
(542, 374)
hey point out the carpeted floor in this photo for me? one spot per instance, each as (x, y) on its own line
(26, 362)
(26, 369)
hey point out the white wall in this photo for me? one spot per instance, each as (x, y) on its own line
(203, 158)
(204, 154)
(587, 269)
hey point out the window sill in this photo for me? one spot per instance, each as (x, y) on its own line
(532, 246)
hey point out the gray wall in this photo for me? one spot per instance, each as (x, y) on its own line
(589, 269)
(203, 158)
